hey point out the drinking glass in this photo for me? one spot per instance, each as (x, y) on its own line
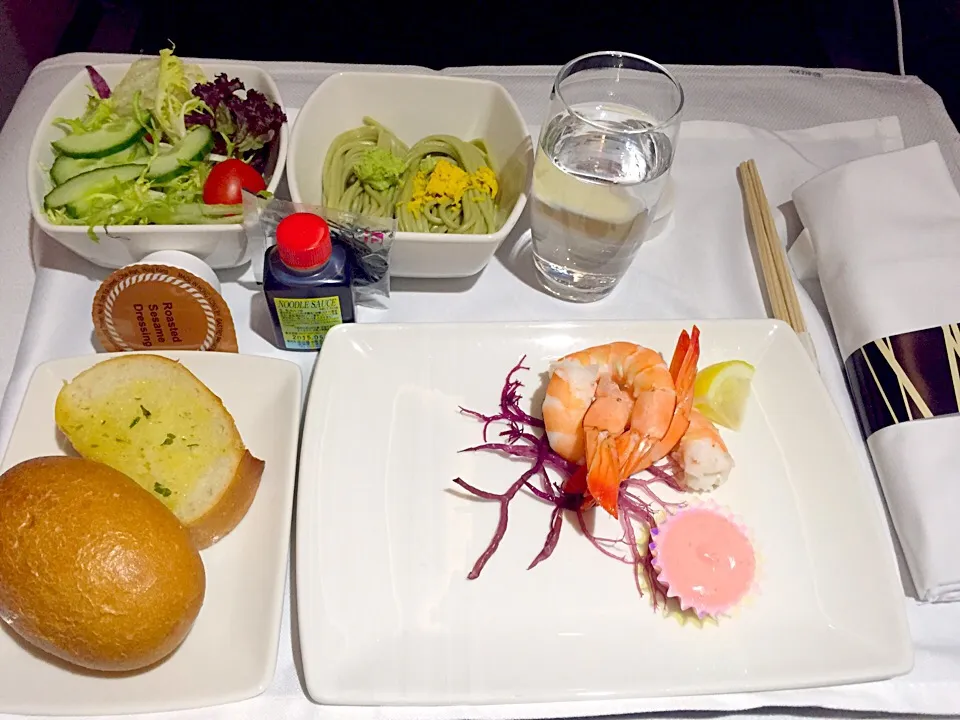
(602, 163)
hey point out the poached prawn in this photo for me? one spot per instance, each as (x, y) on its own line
(617, 409)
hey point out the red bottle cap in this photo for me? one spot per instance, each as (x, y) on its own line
(303, 241)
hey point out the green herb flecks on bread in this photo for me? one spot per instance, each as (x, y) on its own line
(153, 420)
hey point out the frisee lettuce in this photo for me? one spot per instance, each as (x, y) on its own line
(163, 84)
(97, 114)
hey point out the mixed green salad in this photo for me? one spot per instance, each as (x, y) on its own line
(165, 146)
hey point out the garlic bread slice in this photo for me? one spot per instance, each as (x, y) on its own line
(152, 419)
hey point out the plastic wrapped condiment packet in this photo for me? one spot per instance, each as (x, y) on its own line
(368, 240)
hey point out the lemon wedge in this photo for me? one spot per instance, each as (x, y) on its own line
(721, 390)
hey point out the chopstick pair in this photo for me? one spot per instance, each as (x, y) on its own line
(773, 260)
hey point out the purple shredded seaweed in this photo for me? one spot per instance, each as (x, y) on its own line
(504, 500)
(556, 522)
(518, 441)
(600, 543)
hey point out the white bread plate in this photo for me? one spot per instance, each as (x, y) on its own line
(221, 246)
(230, 653)
(414, 106)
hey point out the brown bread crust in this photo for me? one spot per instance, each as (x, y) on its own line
(232, 506)
(93, 569)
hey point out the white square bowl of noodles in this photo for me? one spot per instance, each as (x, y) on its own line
(411, 110)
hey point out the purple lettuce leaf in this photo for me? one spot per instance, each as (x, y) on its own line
(246, 124)
(99, 84)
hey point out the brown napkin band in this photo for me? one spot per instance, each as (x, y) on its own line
(906, 377)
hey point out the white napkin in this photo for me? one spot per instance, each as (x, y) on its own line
(886, 235)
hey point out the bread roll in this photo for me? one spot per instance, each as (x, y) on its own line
(153, 420)
(94, 570)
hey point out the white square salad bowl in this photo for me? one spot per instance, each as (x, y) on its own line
(414, 106)
(221, 246)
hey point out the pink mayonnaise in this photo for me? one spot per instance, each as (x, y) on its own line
(705, 559)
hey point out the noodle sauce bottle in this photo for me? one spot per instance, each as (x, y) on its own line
(306, 280)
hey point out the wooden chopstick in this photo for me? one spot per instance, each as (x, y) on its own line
(773, 260)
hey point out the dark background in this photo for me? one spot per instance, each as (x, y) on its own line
(857, 34)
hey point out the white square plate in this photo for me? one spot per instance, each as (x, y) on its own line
(231, 652)
(384, 545)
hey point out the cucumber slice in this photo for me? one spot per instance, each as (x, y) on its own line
(64, 167)
(111, 138)
(175, 161)
(81, 186)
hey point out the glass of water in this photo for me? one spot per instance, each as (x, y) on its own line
(602, 163)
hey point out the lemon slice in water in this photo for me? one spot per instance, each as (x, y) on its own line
(721, 391)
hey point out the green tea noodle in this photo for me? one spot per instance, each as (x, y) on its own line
(342, 190)
(476, 211)
(445, 185)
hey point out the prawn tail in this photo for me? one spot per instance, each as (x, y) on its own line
(591, 440)
(680, 352)
(683, 370)
(683, 366)
(603, 476)
(631, 448)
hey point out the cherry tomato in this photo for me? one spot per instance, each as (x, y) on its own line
(227, 179)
